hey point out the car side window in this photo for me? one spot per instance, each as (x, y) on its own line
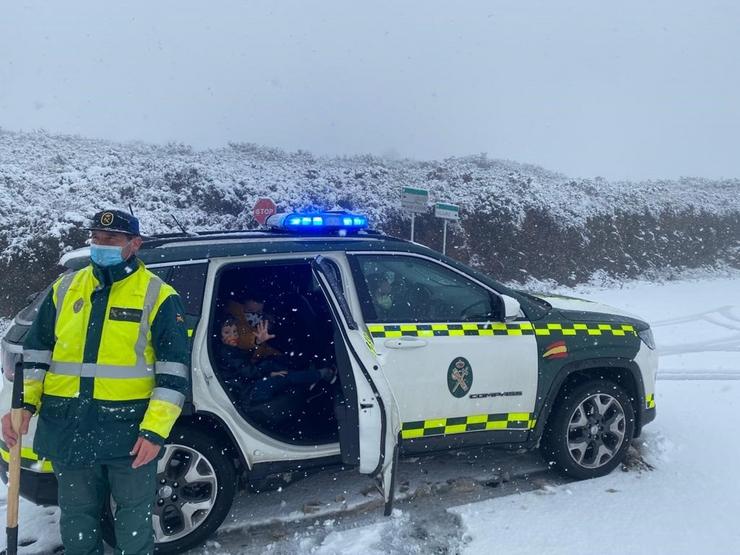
(398, 289)
(189, 281)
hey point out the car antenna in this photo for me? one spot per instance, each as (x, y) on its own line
(184, 231)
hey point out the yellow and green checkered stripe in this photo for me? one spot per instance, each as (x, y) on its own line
(498, 328)
(650, 401)
(464, 424)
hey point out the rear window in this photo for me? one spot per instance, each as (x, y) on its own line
(189, 281)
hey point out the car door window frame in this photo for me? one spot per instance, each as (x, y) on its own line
(332, 273)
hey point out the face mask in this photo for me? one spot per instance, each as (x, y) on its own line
(104, 255)
(253, 318)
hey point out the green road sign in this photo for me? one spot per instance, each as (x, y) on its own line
(447, 211)
(414, 200)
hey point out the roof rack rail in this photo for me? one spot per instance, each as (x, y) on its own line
(153, 241)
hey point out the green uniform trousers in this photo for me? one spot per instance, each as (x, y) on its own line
(82, 494)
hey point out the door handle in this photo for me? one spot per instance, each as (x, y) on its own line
(405, 343)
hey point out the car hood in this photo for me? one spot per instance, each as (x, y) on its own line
(583, 310)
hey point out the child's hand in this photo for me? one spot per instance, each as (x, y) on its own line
(262, 334)
(281, 373)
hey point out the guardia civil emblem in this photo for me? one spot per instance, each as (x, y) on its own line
(106, 218)
(459, 377)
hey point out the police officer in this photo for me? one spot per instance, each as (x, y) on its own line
(106, 369)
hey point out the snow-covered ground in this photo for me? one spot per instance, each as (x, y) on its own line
(679, 494)
(688, 503)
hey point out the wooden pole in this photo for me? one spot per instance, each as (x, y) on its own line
(14, 465)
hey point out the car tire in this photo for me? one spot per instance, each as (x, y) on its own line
(590, 430)
(200, 476)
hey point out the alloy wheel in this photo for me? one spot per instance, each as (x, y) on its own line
(187, 486)
(596, 430)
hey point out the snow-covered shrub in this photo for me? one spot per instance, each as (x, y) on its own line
(518, 221)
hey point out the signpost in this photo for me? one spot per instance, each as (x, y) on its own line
(263, 209)
(414, 201)
(446, 212)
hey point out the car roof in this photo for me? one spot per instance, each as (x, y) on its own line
(188, 247)
(178, 247)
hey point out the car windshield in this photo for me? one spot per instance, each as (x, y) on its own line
(539, 301)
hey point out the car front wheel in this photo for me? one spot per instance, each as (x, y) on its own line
(196, 482)
(590, 430)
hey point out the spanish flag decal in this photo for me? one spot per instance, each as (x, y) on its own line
(556, 350)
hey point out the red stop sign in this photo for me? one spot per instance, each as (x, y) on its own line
(263, 209)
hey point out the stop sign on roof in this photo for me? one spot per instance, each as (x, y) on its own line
(263, 209)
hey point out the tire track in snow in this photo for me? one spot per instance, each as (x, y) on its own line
(724, 317)
(699, 375)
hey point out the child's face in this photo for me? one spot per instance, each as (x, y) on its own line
(229, 336)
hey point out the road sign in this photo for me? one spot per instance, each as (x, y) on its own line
(447, 211)
(414, 200)
(263, 209)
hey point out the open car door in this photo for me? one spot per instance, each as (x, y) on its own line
(369, 422)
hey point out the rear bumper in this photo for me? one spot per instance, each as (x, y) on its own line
(39, 488)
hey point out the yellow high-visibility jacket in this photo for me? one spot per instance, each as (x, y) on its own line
(106, 360)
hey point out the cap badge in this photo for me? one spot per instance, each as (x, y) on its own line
(106, 218)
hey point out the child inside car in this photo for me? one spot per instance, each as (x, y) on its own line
(253, 382)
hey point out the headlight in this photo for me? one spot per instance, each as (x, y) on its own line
(647, 338)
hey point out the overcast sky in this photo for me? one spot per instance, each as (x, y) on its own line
(631, 89)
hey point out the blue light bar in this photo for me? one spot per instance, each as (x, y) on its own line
(317, 222)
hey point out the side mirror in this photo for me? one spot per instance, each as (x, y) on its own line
(512, 308)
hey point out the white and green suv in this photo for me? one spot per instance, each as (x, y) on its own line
(429, 354)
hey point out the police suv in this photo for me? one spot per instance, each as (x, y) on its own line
(428, 354)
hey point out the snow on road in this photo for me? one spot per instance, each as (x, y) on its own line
(492, 502)
(687, 505)
(696, 323)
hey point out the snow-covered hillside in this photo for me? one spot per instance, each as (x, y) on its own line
(518, 221)
(51, 182)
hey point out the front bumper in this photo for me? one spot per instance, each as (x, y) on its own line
(39, 488)
(648, 415)
(647, 361)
